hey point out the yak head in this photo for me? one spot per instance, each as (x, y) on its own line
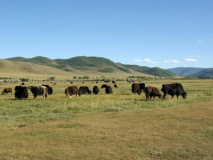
(184, 95)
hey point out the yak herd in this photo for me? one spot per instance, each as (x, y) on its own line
(171, 89)
(175, 89)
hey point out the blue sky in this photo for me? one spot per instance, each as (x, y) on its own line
(153, 33)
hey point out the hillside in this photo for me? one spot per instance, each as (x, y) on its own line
(95, 64)
(30, 70)
(152, 71)
(185, 71)
(203, 73)
(91, 63)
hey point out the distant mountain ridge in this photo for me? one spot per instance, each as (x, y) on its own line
(185, 71)
(193, 72)
(208, 72)
(97, 64)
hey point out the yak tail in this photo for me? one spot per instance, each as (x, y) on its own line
(66, 92)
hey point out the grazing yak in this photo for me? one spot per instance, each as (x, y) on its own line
(137, 88)
(72, 90)
(39, 90)
(84, 90)
(7, 90)
(95, 90)
(49, 89)
(115, 85)
(173, 89)
(21, 92)
(108, 90)
(104, 86)
(152, 92)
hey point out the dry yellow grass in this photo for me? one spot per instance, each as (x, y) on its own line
(183, 132)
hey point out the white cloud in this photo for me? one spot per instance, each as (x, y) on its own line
(150, 61)
(137, 60)
(147, 60)
(154, 62)
(190, 60)
(172, 61)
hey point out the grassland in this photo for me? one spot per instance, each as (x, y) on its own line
(117, 126)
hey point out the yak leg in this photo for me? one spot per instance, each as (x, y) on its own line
(45, 95)
(164, 95)
(147, 96)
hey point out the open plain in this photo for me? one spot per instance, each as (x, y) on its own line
(115, 126)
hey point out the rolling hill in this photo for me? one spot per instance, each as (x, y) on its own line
(98, 65)
(17, 69)
(79, 63)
